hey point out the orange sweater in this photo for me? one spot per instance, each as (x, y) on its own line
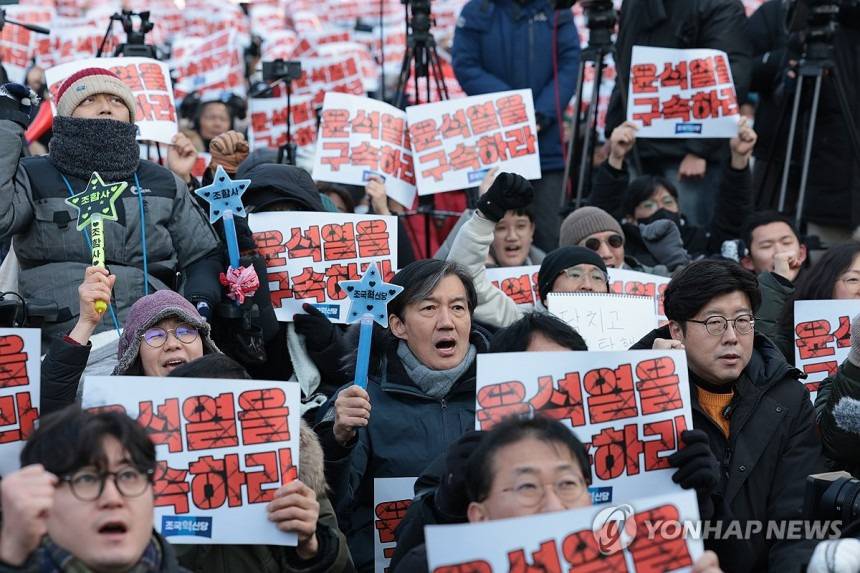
(713, 404)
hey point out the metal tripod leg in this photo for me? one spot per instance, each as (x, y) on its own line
(591, 133)
(792, 130)
(577, 113)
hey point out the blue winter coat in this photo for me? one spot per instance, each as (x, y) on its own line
(502, 45)
(408, 429)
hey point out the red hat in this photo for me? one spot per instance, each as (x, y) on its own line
(89, 82)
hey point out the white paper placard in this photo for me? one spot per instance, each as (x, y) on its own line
(606, 321)
(20, 371)
(391, 499)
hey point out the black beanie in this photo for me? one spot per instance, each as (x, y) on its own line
(564, 258)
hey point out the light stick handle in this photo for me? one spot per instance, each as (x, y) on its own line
(232, 241)
(97, 237)
(363, 359)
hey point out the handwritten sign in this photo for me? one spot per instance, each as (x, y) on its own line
(149, 82)
(606, 321)
(20, 368)
(359, 138)
(644, 535)
(308, 254)
(822, 337)
(628, 408)
(682, 93)
(391, 498)
(456, 142)
(223, 448)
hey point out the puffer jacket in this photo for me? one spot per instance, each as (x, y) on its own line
(53, 254)
(407, 431)
(837, 408)
(771, 448)
(333, 555)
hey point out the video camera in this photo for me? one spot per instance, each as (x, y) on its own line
(832, 496)
(279, 69)
(821, 18)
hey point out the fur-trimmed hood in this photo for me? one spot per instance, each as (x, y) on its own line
(311, 469)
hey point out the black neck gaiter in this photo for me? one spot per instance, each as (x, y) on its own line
(81, 146)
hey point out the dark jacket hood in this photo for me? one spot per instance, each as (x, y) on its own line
(767, 365)
(272, 182)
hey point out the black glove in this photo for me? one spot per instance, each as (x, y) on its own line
(315, 327)
(663, 240)
(452, 498)
(17, 102)
(698, 468)
(508, 191)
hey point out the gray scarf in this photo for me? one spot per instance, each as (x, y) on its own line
(434, 383)
(81, 146)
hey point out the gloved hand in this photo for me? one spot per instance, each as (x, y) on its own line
(698, 468)
(452, 498)
(228, 150)
(854, 354)
(315, 327)
(18, 103)
(508, 191)
(663, 240)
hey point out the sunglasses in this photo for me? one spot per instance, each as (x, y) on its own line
(614, 241)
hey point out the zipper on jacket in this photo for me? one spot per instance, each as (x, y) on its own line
(531, 42)
(727, 460)
(444, 405)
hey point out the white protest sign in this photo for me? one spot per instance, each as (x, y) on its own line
(624, 281)
(321, 75)
(682, 93)
(20, 368)
(308, 254)
(822, 337)
(643, 534)
(361, 137)
(210, 65)
(519, 283)
(268, 122)
(391, 499)
(456, 142)
(224, 447)
(606, 321)
(628, 408)
(149, 81)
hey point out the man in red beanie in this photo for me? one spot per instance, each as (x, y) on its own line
(160, 230)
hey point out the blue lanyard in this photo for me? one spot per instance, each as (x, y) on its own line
(142, 238)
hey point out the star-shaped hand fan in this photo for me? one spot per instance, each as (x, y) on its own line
(370, 295)
(224, 194)
(98, 200)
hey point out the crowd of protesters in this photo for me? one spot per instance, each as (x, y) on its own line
(692, 210)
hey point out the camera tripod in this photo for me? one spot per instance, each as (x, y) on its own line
(599, 47)
(421, 55)
(134, 45)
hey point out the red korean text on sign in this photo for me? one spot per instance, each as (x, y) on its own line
(13, 362)
(389, 514)
(210, 422)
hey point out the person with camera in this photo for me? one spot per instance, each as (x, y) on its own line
(503, 45)
(754, 415)
(160, 230)
(717, 24)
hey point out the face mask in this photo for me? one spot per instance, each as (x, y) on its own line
(661, 214)
(361, 210)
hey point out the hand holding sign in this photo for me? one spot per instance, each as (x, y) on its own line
(27, 498)
(96, 203)
(296, 509)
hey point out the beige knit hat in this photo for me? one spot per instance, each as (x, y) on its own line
(91, 81)
(584, 222)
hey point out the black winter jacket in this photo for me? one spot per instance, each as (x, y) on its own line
(717, 24)
(771, 448)
(837, 407)
(407, 431)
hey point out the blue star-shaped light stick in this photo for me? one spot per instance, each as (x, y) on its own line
(94, 204)
(369, 298)
(224, 196)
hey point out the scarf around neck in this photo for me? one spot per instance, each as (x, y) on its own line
(51, 558)
(81, 146)
(434, 383)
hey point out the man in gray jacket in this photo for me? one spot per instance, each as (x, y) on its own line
(160, 231)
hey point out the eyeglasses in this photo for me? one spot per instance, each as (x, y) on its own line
(717, 325)
(157, 336)
(89, 486)
(579, 274)
(530, 494)
(614, 241)
(666, 202)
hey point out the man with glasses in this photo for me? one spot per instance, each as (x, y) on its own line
(83, 500)
(747, 400)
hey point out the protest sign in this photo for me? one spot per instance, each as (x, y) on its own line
(624, 281)
(268, 122)
(148, 80)
(224, 447)
(18, 44)
(455, 142)
(628, 408)
(361, 137)
(822, 337)
(308, 254)
(391, 499)
(644, 535)
(68, 44)
(20, 367)
(320, 75)
(606, 321)
(682, 93)
(519, 283)
(209, 65)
